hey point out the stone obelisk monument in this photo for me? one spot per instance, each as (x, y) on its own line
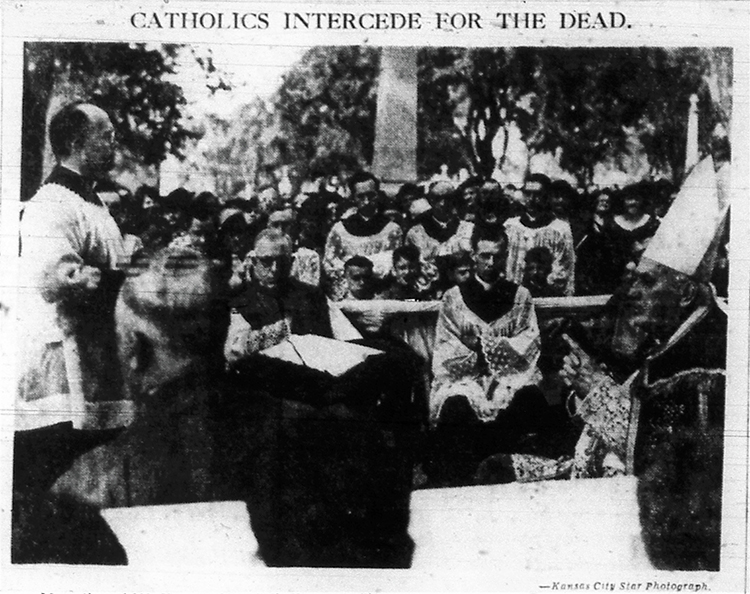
(395, 151)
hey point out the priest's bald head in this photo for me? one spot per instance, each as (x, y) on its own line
(82, 138)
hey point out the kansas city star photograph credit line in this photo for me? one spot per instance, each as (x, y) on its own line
(456, 309)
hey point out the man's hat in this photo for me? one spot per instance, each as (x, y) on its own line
(688, 237)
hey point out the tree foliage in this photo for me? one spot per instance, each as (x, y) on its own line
(326, 103)
(230, 150)
(585, 105)
(127, 80)
(592, 103)
(494, 81)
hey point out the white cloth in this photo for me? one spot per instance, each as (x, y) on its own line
(510, 345)
(341, 327)
(57, 224)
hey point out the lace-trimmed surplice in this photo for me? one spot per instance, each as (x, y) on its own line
(487, 362)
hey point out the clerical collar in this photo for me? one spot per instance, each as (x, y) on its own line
(542, 220)
(488, 302)
(75, 182)
(360, 227)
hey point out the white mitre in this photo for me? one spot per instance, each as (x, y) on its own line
(689, 235)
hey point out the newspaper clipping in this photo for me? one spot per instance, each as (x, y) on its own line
(374, 296)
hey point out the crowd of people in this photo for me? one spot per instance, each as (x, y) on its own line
(585, 241)
(172, 302)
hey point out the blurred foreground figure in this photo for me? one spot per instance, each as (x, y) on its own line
(332, 487)
(323, 462)
(171, 323)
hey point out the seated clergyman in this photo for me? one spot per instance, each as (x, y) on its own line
(324, 464)
(487, 337)
(485, 362)
(274, 305)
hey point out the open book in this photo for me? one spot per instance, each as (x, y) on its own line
(317, 352)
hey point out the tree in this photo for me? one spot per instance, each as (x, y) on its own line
(675, 75)
(469, 95)
(326, 103)
(585, 105)
(127, 80)
(591, 103)
(229, 151)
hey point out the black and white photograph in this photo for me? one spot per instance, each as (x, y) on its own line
(449, 312)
